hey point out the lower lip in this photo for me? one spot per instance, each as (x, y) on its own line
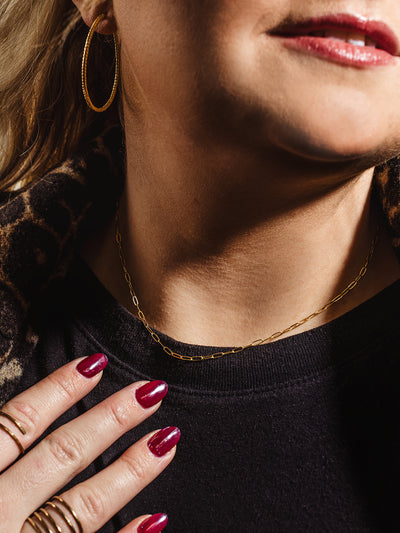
(339, 51)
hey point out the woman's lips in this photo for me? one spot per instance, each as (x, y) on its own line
(342, 38)
(340, 51)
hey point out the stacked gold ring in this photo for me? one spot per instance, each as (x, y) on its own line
(41, 518)
(18, 425)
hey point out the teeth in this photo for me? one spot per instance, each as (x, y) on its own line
(356, 39)
(356, 42)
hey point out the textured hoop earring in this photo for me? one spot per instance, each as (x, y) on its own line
(84, 69)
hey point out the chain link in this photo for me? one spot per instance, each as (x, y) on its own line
(257, 342)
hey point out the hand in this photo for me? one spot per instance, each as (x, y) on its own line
(39, 474)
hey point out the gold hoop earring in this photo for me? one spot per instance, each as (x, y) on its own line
(84, 69)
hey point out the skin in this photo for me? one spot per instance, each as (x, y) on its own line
(246, 207)
(48, 466)
(249, 166)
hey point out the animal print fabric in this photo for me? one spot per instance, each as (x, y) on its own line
(41, 226)
(386, 188)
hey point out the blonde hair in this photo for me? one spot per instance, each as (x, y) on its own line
(43, 116)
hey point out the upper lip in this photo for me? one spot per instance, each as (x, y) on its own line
(377, 30)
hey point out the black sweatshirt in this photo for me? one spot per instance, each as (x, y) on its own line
(301, 435)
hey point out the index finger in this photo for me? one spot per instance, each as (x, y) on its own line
(37, 407)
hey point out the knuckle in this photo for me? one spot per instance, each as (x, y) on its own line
(90, 504)
(25, 413)
(137, 468)
(65, 448)
(120, 415)
(65, 385)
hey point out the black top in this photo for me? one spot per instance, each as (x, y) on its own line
(301, 435)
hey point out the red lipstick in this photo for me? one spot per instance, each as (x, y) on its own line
(343, 38)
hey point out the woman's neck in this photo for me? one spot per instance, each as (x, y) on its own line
(224, 247)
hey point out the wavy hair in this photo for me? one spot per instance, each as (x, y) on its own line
(43, 116)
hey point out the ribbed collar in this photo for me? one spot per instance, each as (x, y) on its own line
(112, 329)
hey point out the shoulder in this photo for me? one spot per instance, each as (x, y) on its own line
(40, 227)
(386, 191)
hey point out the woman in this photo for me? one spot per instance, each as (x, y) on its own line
(257, 187)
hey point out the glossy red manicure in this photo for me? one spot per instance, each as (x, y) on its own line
(92, 365)
(151, 393)
(154, 524)
(164, 440)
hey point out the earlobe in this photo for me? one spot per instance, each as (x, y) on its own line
(91, 9)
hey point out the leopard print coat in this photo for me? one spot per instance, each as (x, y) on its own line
(41, 226)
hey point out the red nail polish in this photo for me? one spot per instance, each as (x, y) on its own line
(154, 524)
(164, 440)
(92, 365)
(151, 393)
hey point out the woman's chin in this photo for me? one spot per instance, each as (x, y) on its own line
(330, 145)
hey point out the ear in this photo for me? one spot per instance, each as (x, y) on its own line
(91, 9)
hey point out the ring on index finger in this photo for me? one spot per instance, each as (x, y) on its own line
(10, 433)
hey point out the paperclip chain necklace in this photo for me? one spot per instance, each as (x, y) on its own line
(237, 349)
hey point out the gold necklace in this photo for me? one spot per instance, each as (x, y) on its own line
(237, 349)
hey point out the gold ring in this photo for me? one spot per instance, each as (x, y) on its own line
(38, 519)
(63, 515)
(63, 502)
(14, 421)
(50, 519)
(10, 433)
(33, 524)
(41, 522)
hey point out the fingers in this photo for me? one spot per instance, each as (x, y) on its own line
(142, 524)
(37, 407)
(71, 448)
(98, 499)
(89, 505)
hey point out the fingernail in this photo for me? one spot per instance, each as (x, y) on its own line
(151, 393)
(154, 524)
(92, 365)
(164, 440)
